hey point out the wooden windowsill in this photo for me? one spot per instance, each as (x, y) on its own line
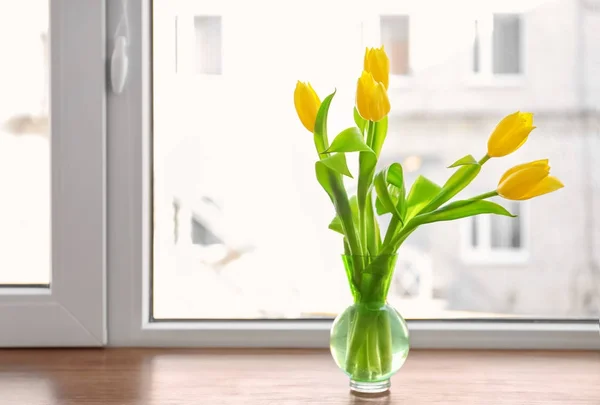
(280, 377)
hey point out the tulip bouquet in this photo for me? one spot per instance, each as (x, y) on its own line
(366, 347)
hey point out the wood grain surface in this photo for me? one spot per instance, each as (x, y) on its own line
(276, 377)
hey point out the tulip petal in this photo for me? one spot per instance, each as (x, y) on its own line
(307, 104)
(510, 134)
(364, 89)
(527, 118)
(377, 63)
(535, 163)
(379, 103)
(521, 182)
(547, 185)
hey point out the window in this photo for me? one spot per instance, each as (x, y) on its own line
(199, 253)
(395, 39)
(495, 240)
(52, 149)
(208, 45)
(497, 45)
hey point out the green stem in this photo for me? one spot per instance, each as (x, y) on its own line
(355, 353)
(373, 347)
(392, 228)
(396, 241)
(484, 159)
(484, 196)
(369, 348)
(344, 212)
(365, 177)
(385, 342)
(321, 146)
(369, 340)
(347, 251)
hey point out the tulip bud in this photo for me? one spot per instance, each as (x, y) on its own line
(378, 64)
(510, 134)
(528, 180)
(372, 101)
(307, 104)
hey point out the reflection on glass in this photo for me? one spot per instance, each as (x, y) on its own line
(240, 224)
(24, 143)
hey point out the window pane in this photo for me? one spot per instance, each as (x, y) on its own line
(240, 222)
(506, 44)
(395, 39)
(24, 143)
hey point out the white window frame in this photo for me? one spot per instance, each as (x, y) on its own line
(71, 312)
(485, 254)
(129, 247)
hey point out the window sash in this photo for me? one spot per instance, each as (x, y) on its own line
(72, 311)
(130, 228)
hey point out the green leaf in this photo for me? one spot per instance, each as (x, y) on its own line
(393, 202)
(422, 192)
(321, 141)
(349, 140)
(395, 175)
(379, 208)
(394, 193)
(333, 184)
(464, 161)
(382, 209)
(379, 135)
(361, 123)
(455, 210)
(336, 223)
(462, 209)
(337, 162)
(455, 184)
(325, 178)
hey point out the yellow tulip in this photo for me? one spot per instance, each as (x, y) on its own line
(528, 180)
(371, 98)
(307, 104)
(510, 134)
(378, 64)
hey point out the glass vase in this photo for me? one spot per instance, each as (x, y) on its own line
(369, 340)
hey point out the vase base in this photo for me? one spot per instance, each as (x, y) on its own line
(370, 387)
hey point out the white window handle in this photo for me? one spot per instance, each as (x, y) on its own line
(119, 63)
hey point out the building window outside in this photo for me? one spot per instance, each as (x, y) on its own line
(208, 56)
(497, 44)
(395, 37)
(492, 238)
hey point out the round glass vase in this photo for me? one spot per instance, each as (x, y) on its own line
(369, 340)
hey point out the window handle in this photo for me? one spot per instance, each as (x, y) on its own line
(119, 64)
